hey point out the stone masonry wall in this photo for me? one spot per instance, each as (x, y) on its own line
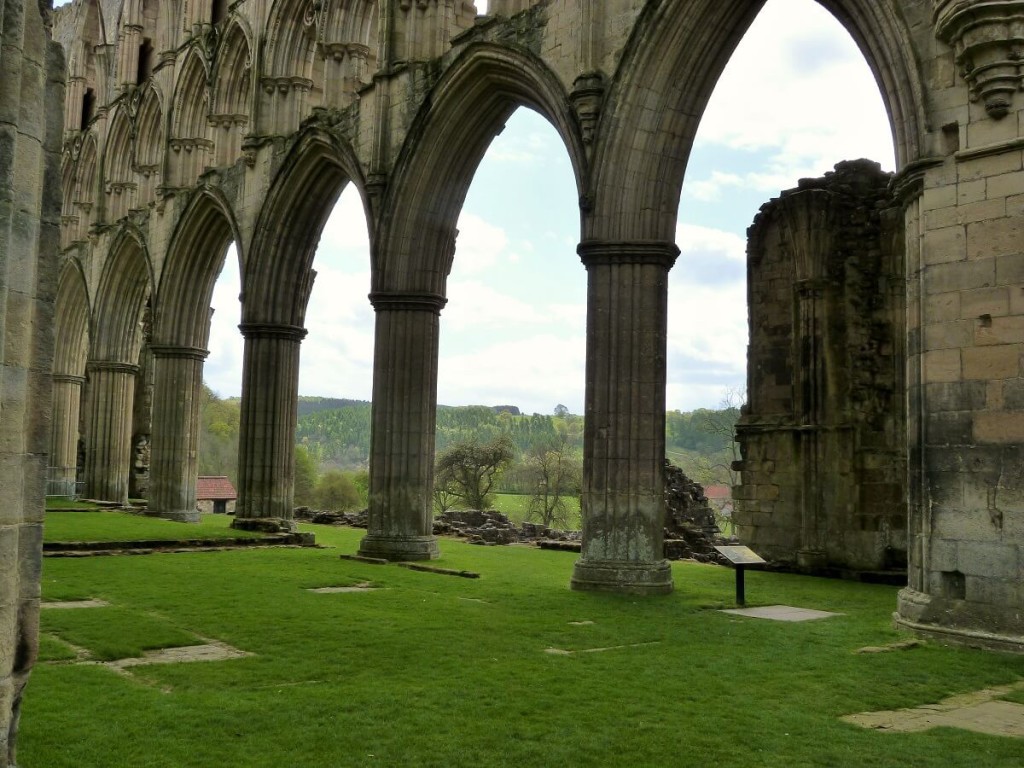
(823, 435)
(31, 110)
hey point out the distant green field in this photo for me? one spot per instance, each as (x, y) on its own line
(518, 507)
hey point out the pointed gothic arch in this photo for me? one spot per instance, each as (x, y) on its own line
(124, 287)
(118, 178)
(232, 94)
(468, 108)
(678, 51)
(293, 70)
(86, 191)
(150, 145)
(191, 150)
(277, 279)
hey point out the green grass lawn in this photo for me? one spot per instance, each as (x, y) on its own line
(432, 670)
(123, 526)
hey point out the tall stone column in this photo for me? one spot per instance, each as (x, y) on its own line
(67, 407)
(402, 437)
(174, 463)
(624, 439)
(266, 449)
(109, 434)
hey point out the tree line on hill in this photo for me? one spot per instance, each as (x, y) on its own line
(539, 455)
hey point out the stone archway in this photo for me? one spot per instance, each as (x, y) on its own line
(112, 367)
(181, 332)
(277, 281)
(413, 258)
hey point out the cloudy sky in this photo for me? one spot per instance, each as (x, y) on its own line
(796, 98)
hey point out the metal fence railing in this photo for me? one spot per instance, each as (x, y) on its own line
(61, 481)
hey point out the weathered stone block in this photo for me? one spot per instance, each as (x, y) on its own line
(994, 362)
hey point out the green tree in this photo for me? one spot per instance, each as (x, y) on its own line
(468, 470)
(305, 477)
(556, 473)
(336, 491)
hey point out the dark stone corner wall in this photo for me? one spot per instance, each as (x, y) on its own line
(31, 123)
(823, 437)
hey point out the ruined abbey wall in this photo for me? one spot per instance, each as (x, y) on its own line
(31, 96)
(823, 434)
(193, 124)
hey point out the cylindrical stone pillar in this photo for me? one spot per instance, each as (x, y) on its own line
(108, 445)
(174, 458)
(266, 447)
(402, 436)
(623, 497)
(67, 407)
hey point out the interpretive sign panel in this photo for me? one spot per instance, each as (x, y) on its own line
(738, 556)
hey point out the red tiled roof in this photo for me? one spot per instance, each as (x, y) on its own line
(718, 492)
(215, 488)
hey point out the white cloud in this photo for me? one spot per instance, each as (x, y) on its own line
(533, 371)
(694, 239)
(479, 245)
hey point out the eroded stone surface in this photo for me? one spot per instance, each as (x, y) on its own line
(980, 711)
(211, 651)
(781, 613)
(70, 604)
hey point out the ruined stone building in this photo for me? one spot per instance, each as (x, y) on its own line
(191, 124)
(823, 435)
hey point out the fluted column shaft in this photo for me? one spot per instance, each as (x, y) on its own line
(174, 458)
(109, 430)
(623, 497)
(266, 450)
(67, 409)
(402, 437)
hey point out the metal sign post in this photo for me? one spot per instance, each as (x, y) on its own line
(741, 559)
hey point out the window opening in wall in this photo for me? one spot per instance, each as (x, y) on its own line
(219, 12)
(88, 107)
(145, 61)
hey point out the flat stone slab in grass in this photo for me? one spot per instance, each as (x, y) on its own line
(563, 652)
(980, 712)
(364, 587)
(67, 604)
(781, 613)
(212, 651)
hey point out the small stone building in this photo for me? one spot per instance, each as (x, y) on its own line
(823, 436)
(216, 495)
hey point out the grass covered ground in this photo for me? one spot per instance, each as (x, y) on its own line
(431, 670)
(123, 526)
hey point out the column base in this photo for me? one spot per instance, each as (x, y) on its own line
(811, 560)
(264, 524)
(178, 516)
(401, 548)
(622, 577)
(959, 622)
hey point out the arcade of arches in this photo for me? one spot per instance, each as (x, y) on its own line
(191, 125)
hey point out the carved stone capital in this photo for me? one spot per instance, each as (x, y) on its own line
(615, 252)
(407, 302)
(111, 366)
(987, 38)
(173, 351)
(272, 331)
